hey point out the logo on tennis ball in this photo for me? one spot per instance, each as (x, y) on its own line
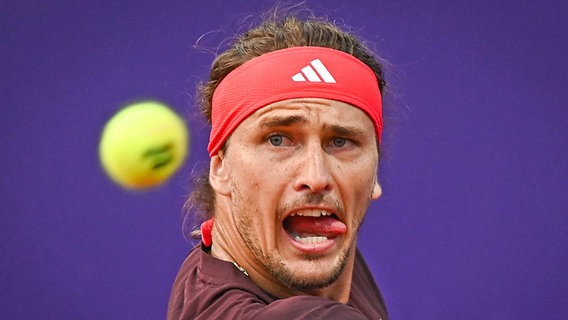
(159, 157)
(143, 144)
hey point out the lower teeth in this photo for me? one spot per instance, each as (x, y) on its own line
(310, 239)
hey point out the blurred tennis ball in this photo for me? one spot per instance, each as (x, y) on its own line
(143, 144)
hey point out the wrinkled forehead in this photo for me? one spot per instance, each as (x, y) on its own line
(311, 110)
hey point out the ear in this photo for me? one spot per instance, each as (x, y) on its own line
(219, 177)
(377, 191)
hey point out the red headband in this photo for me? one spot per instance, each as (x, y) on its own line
(298, 72)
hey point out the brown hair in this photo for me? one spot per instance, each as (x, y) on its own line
(273, 34)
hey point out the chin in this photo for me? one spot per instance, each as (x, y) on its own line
(309, 275)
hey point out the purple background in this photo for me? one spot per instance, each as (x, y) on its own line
(473, 222)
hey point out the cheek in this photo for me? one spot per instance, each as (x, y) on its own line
(362, 192)
(257, 172)
(358, 184)
(252, 189)
(363, 170)
(249, 182)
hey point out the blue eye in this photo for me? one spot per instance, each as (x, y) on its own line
(339, 142)
(276, 140)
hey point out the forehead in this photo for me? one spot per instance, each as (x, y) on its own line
(315, 110)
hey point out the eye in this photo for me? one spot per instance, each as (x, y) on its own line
(276, 140)
(339, 142)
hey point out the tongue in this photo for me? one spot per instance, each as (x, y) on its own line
(320, 226)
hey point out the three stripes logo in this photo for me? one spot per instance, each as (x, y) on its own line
(314, 72)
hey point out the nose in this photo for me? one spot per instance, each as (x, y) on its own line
(313, 171)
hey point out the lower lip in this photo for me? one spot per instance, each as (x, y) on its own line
(313, 248)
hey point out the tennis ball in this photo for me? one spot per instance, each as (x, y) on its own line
(143, 144)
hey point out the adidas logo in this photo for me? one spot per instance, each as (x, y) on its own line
(314, 72)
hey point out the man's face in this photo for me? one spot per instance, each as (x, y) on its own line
(300, 175)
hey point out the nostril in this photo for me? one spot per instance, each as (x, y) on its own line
(316, 185)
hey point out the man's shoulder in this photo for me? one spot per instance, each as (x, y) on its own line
(206, 284)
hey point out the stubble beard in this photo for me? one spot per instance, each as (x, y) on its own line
(284, 273)
(289, 277)
(277, 267)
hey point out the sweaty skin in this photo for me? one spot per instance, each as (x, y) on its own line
(292, 189)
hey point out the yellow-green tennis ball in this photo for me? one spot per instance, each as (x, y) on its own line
(143, 144)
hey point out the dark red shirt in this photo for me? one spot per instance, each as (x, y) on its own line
(209, 288)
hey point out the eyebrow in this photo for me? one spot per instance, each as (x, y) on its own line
(348, 131)
(283, 121)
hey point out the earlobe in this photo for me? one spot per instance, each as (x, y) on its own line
(219, 177)
(377, 191)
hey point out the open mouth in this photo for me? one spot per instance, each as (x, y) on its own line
(313, 226)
